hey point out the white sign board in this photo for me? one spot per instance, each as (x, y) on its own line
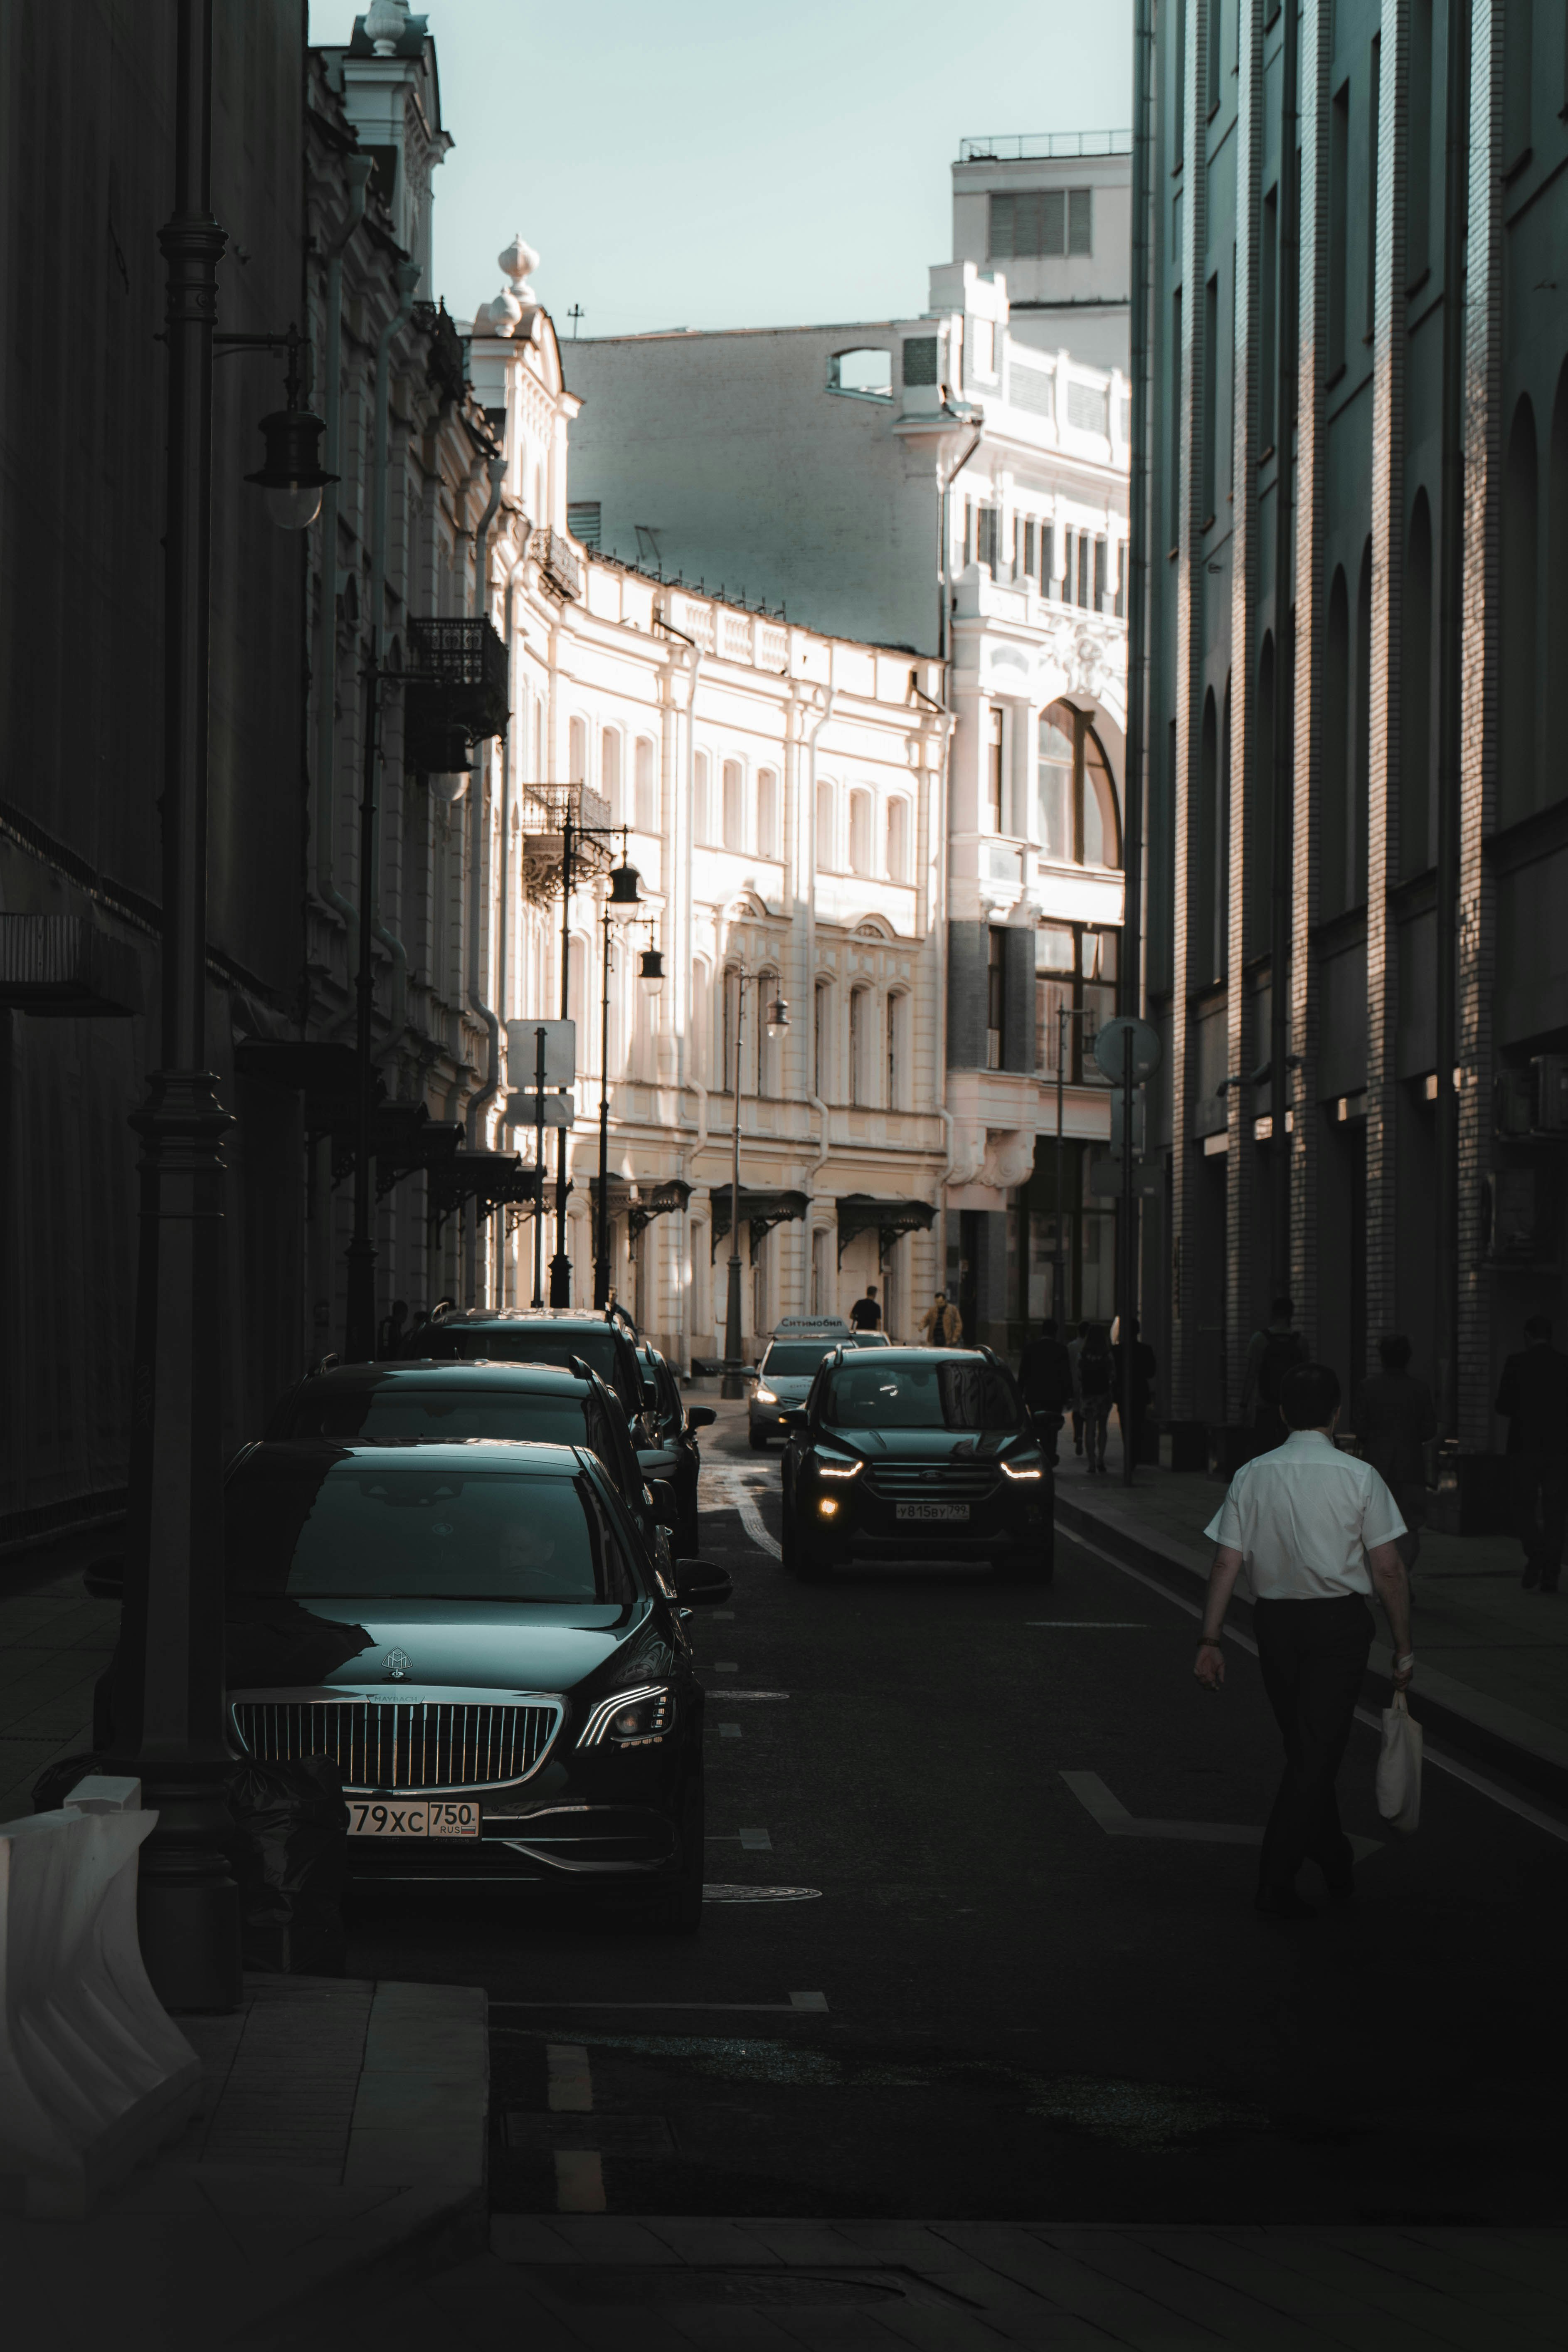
(522, 1110)
(560, 1052)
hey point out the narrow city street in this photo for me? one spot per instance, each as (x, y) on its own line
(941, 1972)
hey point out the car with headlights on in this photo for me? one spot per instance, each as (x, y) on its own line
(915, 1454)
(675, 1425)
(787, 1369)
(479, 1637)
(430, 1402)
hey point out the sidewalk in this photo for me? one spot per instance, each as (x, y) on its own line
(1491, 1658)
(341, 2142)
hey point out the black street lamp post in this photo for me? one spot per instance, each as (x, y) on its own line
(776, 1016)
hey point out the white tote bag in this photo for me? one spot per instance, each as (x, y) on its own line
(1399, 1767)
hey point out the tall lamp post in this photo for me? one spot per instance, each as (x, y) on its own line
(622, 898)
(776, 1015)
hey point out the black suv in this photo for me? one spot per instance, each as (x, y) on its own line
(546, 1335)
(908, 1453)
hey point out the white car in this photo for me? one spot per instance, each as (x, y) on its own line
(784, 1376)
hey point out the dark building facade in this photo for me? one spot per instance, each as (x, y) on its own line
(1359, 618)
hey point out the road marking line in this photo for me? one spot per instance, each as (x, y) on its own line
(733, 1496)
(798, 2004)
(756, 1842)
(1433, 1755)
(579, 2181)
(745, 1694)
(1116, 1821)
(1089, 1625)
(728, 1731)
(726, 1665)
(714, 1615)
(571, 2085)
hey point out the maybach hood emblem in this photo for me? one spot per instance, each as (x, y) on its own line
(396, 1666)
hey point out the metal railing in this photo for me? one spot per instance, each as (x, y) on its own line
(1041, 146)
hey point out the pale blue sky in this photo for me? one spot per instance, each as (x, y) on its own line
(699, 164)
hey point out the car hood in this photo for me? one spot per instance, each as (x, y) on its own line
(489, 1645)
(928, 1444)
(792, 1391)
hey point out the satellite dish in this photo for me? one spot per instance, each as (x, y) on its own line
(1110, 1051)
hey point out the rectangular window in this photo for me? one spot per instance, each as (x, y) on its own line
(993, 751)
(1216, 60)
(985, 537)
(919, 359)
(1048, 222)
(1028, 547)
(1099, 575)
(1080, 220)
(1047, 557)
(1339, 226)
(1175, 465)
(995, 998)
(1179, 76)
(820, 1007)
(1269, 320)
(1371, 128)
(1419, 208)
(1210, 395)
(1516, 72)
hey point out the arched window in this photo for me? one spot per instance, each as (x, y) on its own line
(769, 1050)
(577, 752)
(646, 789)
(702, 798)
(864, 371)
(610, 772)
(730, 1013)
(898, 1094)
(1077, 820)
(822, 1040)
(767, 812)
(734, 807)
(827, 848)
(859, 1046)
(1520, 546)
(860, 833)
(898, 839)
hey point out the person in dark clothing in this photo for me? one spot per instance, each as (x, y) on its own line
(390, 1338)
(1075, 1350)
(1096, 1392)
(866, 1315)
(1269, 1357)
(1533, 1395)
(1143, 1371)
(1395, 1418)
(1045, 1375)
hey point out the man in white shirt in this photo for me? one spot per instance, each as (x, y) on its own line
(1316, 1531)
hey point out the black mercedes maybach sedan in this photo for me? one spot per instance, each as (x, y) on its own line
(479, 1635)
(915, 1454)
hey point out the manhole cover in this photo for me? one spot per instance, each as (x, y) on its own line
(762, 1894)
(626, 2284)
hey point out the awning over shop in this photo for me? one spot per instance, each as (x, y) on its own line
(490, 1180)
(639, 1204)
(761, 1211)
(403, 1137)
(862, 1213)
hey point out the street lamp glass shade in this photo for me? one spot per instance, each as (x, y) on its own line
(651, 972)
(778, 1017)
(624, 892)
(292, 475)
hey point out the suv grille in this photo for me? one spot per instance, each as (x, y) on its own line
(947, 1482)
(415, 1745)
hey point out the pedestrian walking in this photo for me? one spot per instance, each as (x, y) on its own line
(942, 1323)
(1096, 1392)
(1269, 1356)
(1394, 1419)
(1533, 1395)
(1045, 1376)
(1075, 1350)
(866, 1315)
(1143, 1371)
(420, 1324)
(1316, 1531)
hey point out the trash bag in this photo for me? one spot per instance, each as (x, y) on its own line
(1399, 1767)
(56, 1782)
(290, 1856)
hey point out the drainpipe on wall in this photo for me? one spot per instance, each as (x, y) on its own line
(476, 1003)
(508, 772)
(407, 280)
(945, 540)
(357, 169)
(686, 1074)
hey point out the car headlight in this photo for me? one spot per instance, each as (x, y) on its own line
(1024, 1468)
(840, 1469)
(766, 1396)
(633, 1719)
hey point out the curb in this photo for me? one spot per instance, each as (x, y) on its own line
(1444, 1716)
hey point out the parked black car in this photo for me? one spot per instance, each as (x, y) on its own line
(908, 1454)
(479, 1637)
(545, 1335)
(426, 1402)
(676, 1425)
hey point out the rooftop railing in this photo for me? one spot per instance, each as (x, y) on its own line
(1040, 146)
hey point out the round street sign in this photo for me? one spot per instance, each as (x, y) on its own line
(1109, 1052)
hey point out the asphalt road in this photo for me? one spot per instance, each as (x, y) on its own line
(970, 1998)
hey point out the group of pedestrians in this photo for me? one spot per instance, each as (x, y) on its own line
(1083, 1376)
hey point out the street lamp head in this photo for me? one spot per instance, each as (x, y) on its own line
(292, 475)
(624, 893)
(778, 1017)
(651, 971)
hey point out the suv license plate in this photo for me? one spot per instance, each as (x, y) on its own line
(421, 1817)
(933, 1510)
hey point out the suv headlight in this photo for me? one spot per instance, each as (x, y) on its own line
(1027, 1465)
(839, 1469)
(766, 1396)
(633, 1719)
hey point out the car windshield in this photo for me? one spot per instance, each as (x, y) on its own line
(418, 1531)
(797, 1360)
(399, 1414)
(535, 1343)
(922, 1396)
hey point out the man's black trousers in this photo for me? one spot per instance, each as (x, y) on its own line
(1313, 1655)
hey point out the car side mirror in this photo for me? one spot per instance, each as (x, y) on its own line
(657, 1461)
(105, 1580)
(700, 1585)
(796, 1417)
(701, 1416)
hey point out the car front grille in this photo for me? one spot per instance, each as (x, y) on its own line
(949, 1482)
(412, 1745)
